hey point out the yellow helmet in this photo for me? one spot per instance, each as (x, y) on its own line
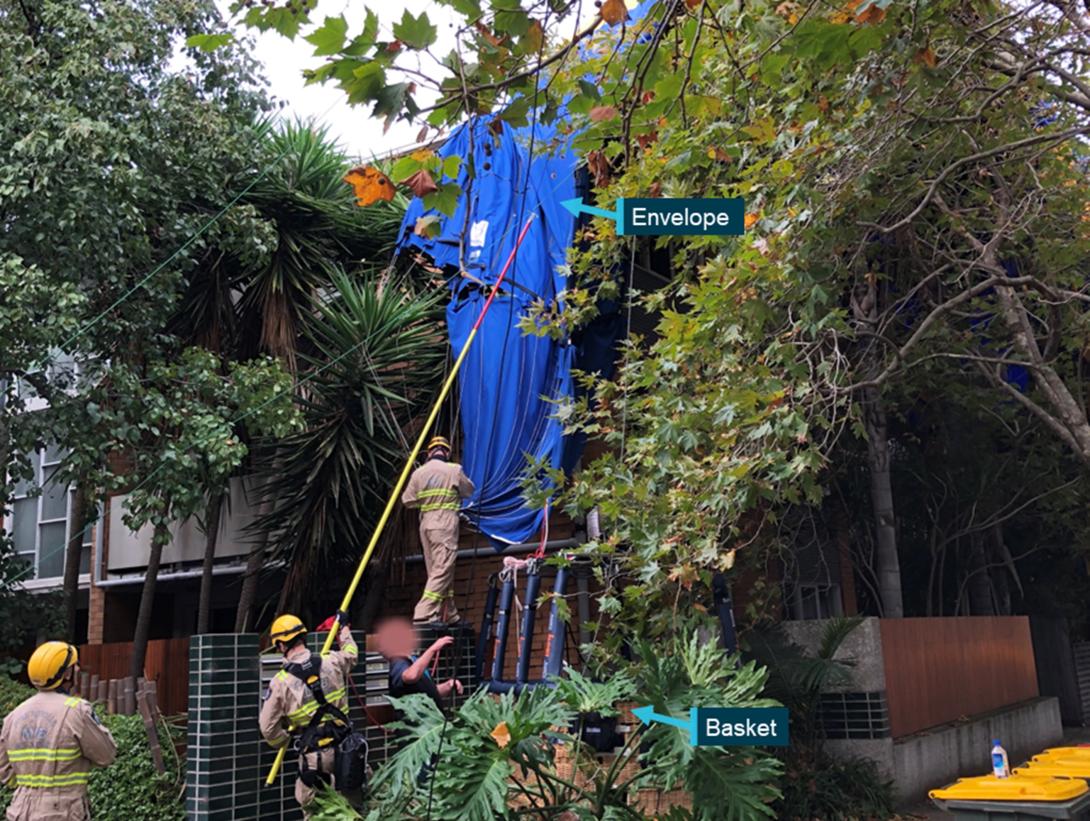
(49, 662)
(286, 628)
(438, 442)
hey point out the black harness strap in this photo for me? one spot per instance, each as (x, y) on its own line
(317, 735)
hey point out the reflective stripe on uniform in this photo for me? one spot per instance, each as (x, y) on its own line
(431, 595)
(438, 492)
(42, 781)
(428, 508)
(72, 701)
(311, 706)
(39, 754)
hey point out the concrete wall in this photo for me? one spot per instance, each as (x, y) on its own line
(861, 651)
(927, 760)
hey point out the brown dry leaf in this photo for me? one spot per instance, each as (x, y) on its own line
(823, 104)
(421, 183)
(871, 14)
(603, 112)
(927, 57)
(685, 574)
(692, 4)
(613, 11)
(655, 189)
(422, 134)
(751, 220)
(718, 154)
(598, 166)
(486, 32)
(369, 184)
(501, 735)
(535, 36)
(427, 227)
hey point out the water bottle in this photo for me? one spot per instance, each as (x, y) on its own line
(1001, 767)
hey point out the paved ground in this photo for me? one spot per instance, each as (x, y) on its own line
(929, 812)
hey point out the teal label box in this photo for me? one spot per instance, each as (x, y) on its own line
(681, 217)
(740, 727)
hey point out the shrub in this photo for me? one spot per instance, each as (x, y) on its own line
(130, 788)
(835, 790)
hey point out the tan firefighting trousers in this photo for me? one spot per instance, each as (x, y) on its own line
(440, 551)
(304, 794)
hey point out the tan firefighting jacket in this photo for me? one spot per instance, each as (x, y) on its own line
(436, 488)
(48, 745)
(289, 704)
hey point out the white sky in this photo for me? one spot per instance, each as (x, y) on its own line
(284, 61)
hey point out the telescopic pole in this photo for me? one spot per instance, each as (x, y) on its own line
(395, 493)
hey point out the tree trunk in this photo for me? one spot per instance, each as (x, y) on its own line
(881, 493)
(979, 581)
(211, 536)
(846, 564)
(147, 599)
(254, 562)
(77, 521)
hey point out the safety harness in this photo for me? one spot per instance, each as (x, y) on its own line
(350, 747)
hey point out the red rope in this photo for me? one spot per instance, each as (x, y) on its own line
(540, 552)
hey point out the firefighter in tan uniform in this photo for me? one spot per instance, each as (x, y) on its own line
(437, 488)
(291, 705)
(50, 742)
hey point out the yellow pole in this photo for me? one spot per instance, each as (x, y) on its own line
(395, 494)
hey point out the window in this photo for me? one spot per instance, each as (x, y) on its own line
(814, 601)
(40, 520)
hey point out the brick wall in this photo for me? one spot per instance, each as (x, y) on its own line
(471, 581)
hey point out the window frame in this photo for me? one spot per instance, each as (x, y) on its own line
(43, 472)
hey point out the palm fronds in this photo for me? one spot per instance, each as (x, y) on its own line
(376, 361)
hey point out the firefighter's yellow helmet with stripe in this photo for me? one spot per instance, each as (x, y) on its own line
(49, 663)
(438, 442)
(286, 628)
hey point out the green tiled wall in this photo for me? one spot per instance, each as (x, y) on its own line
(228, 761)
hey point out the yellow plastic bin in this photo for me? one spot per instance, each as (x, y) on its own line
(1022, 797)
(1056, 766)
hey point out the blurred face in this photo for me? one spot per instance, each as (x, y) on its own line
(396, 638)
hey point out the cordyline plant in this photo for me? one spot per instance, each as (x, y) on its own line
(514, 757)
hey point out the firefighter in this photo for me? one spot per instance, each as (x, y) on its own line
(50, 742)
(308, 698)
(437, 487)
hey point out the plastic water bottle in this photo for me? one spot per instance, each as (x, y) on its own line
(1001, 767)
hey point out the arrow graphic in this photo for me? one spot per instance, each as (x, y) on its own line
(647, 714)
(575, 206)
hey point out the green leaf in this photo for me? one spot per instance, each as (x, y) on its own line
(451, 165)
(445, 200)
(470, 9)
(510, 17)
(209, 42)
(367, 82)
(415, 32)
(329, 39)
(516, 113)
